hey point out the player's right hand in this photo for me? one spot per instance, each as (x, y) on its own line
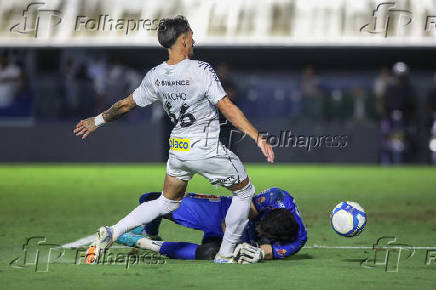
(247, 254)
(85, 127)
(266, 149)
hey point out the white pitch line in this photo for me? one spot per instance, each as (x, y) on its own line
(79, 242)
(89, 239)
(368, 248)
(334, 247)
(84, 241)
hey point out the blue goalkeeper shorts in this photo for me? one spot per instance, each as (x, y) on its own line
(203, 212)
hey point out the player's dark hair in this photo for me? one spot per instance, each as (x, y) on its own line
(279, 225)
(170, 29)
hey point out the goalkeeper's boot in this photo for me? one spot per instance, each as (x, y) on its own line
(219, 259)
(90, 255)
(103, 241)
(138, 230)
(129, 239)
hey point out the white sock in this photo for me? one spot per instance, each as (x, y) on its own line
(143, 214)
(236, 219)
(148, 244)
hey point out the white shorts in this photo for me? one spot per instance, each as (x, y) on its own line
(223, 169)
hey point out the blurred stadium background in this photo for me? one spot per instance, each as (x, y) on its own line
(313, 67)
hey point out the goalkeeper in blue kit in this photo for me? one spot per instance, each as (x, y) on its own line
(275, 229)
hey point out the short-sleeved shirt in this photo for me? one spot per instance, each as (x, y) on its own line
(188, 91)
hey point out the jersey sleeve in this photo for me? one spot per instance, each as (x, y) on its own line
(214, 90)
(145, 94)
(285, 250)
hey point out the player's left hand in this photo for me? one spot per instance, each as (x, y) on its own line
(85, 127)
(247, 254)
(266, 149)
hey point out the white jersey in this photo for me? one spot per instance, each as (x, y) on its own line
(189, 91)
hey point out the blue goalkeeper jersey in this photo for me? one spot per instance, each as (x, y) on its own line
(265, 202)
(207, 212)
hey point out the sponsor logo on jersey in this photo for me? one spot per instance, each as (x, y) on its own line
(164, 83)
(261, 199)
(179, 144)
(281, 252)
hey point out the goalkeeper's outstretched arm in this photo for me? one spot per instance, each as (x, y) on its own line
(119, 109)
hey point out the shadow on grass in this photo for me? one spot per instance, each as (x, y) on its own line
(301, 257)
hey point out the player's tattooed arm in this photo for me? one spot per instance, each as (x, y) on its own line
(234, 115)
(120, 108)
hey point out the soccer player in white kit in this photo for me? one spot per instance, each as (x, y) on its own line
(190, 92)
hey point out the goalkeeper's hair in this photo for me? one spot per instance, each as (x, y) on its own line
(170, 29)
(279, 225)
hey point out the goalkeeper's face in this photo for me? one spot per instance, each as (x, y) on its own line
(279, 225)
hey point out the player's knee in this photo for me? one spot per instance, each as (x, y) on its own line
(149, 196)
(167, 205)
(246, 193)
(207, 251)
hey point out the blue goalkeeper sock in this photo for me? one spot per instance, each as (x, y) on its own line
(179, 250)
(129, 239)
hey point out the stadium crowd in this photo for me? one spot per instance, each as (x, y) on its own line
(85, 83)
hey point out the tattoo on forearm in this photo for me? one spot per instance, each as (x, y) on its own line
(115, 112)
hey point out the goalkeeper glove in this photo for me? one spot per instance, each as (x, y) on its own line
(247, 254)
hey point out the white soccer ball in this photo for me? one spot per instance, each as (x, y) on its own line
(348, 219)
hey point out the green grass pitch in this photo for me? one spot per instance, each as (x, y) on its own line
(66, 202)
